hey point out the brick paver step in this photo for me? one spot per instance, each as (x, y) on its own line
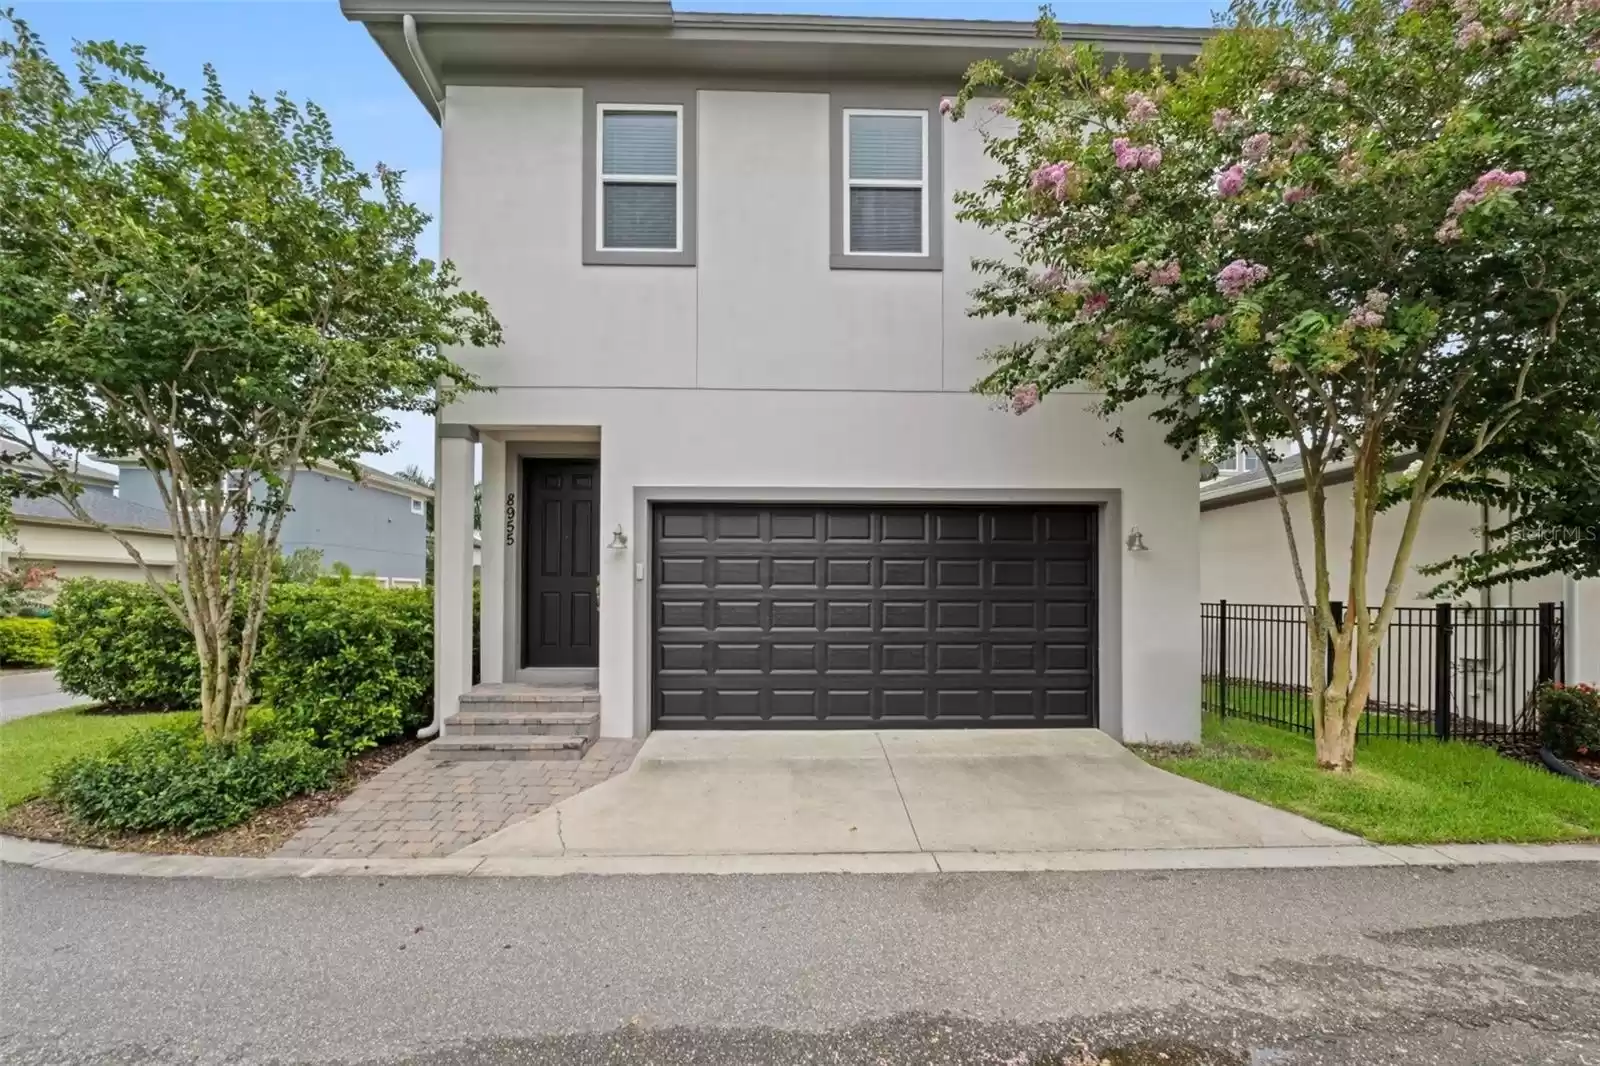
(526, 720)
(519, 694)
(462, 748)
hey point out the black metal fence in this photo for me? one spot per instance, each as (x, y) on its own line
(1442, 671)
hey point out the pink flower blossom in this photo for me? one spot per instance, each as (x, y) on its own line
(1127, 154)
(1215, 323)
(1296, 194)
(1149, 157)
(1077, 284)
(1449, 231)
(999, 107)
(1222, 120)
(1240, 276)
(1256, 147)
(1094, 306)
(1165, 275)
(1230, 182)
(1058, 178)
(1140, 107)
(1369, 315)
(1047, 279)
(1488, 184)
(1024, 398)
(946, 106)
(1471, 34)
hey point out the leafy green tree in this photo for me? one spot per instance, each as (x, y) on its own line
(213, 288)
(1366, 227)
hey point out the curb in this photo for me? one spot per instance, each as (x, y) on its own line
(16, 851)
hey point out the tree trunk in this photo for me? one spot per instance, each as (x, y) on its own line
(1333, 727)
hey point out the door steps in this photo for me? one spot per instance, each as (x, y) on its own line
(521, 721)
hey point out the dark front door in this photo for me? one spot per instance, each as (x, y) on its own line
(560, 604)
(856, 616)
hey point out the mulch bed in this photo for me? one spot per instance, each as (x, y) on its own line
(1526, 750)
(263, 834)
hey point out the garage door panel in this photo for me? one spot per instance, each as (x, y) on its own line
(853, 616)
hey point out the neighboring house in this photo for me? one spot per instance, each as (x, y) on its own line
(733, 466)
(47, 534)
(1244, 554)
(376, 526)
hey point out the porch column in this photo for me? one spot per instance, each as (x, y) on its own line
(452, 568)
(492, 579)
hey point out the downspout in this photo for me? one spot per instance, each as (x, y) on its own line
(408, 26)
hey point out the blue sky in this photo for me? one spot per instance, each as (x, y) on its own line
(307, 49)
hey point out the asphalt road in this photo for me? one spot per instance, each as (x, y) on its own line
(25, 692)
(1493, 965)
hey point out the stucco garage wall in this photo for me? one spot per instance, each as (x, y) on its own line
(928, 446)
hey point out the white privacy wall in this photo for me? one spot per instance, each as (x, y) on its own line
(760, 370)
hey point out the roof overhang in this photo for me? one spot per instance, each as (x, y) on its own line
(509, 41)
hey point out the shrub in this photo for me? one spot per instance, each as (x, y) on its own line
(27, 642)
(348, 660)
(1569, 719)
(170, 778)
(120, 644)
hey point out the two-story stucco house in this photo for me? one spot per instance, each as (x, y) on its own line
(734, 470)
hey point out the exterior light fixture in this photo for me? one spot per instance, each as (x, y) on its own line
(1136, 541)
(619, 541)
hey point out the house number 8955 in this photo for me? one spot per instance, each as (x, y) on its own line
(511, 518)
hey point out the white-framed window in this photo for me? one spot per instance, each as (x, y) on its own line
(418, 507)
(885, 182)
(639, 178)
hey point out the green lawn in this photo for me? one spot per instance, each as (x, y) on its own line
(1402, 792)
(1290, 709)
(33, 746)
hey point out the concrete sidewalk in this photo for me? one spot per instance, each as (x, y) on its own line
(897, 792)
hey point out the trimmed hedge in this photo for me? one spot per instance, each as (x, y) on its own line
(120, 644)
(348, 661)
(27, 642)
(1569, 719)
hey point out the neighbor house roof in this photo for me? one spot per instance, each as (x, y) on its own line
(504, 41)
(369, 475)
(109, 510)
(87, 473)
(1254, 485)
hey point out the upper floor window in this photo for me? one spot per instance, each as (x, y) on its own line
(417, 506)
(638, 201)
(886, 178)
(887, 205)
(641, 178)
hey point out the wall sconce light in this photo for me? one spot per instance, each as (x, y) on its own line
(1136, 541)
(619, 541)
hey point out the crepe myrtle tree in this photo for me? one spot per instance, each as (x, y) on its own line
(212, 288)
(1366, 227)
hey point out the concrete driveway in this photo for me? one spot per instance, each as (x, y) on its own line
(736, 793)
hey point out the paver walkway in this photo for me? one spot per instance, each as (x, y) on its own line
(422, 806)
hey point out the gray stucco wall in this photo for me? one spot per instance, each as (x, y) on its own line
(369, 529)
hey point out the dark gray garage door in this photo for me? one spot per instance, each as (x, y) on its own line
(860, 616)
